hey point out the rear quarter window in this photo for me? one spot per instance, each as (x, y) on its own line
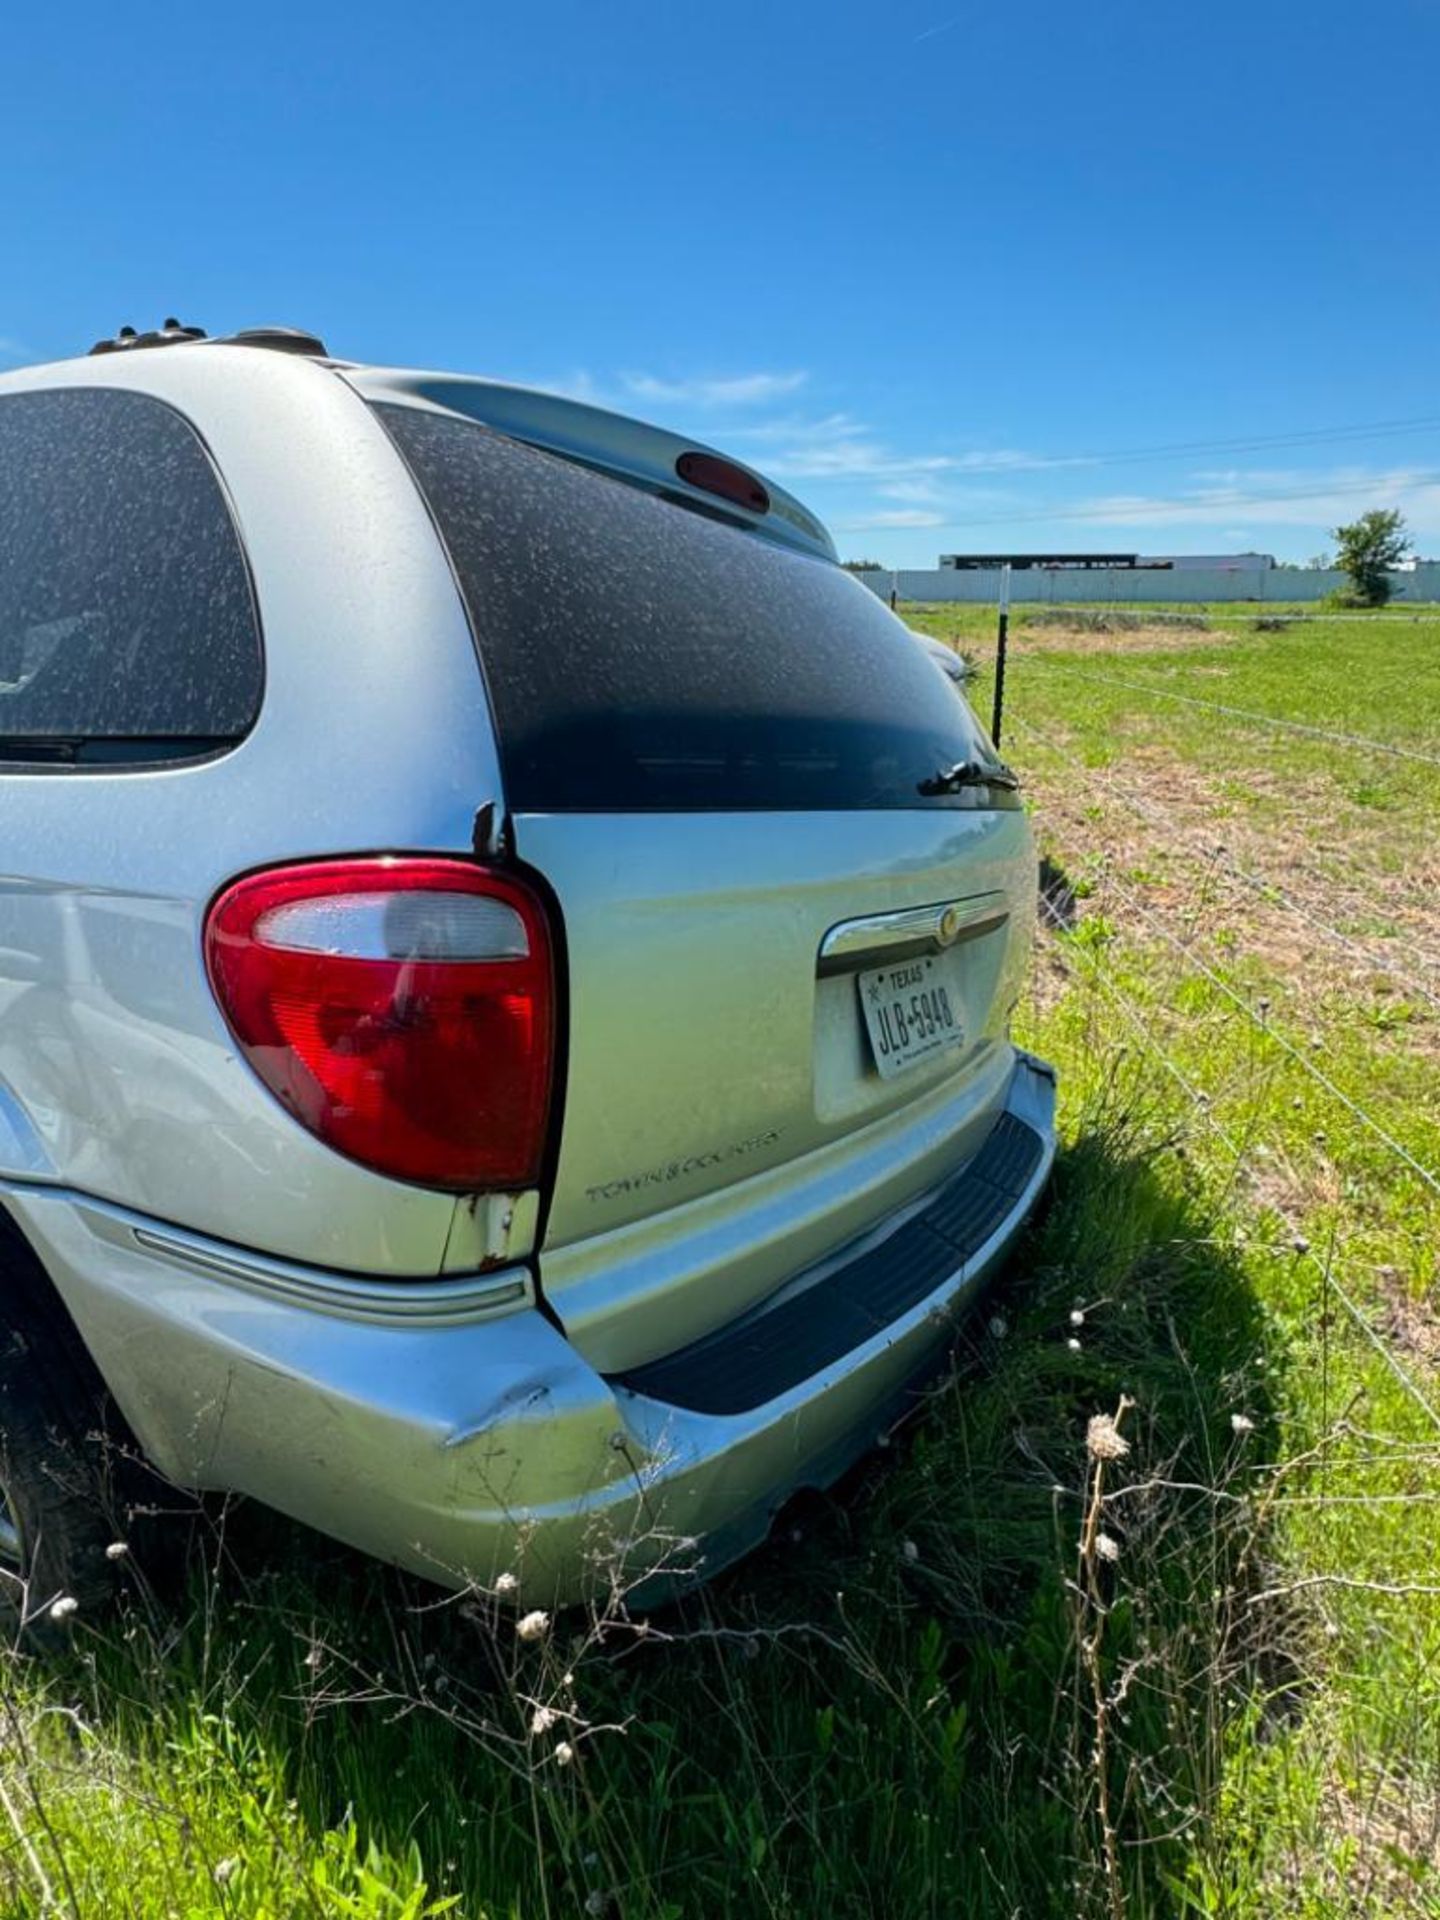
(642, 657)
(127, 620)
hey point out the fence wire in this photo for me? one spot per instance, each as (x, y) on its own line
(1129, 1009)
(1385, 747)
(1152, 814)
(1082, 962)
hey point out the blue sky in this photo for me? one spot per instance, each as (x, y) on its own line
(1040, 275)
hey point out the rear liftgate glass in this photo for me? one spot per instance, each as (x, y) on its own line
(716, 750)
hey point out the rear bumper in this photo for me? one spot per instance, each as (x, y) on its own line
(449, 1429)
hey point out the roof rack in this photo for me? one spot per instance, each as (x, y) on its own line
(172, 334)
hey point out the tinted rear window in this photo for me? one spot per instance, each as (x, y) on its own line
(641, 657)
(125, 605)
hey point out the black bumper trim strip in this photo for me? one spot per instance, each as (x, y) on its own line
(744, 1365)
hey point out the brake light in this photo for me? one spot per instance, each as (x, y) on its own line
(402, 1009)
(725, 478)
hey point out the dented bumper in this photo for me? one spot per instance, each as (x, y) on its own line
(449, 1426)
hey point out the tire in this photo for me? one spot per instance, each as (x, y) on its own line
(73, 1490)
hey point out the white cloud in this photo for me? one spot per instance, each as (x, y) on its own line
(795, 427)
(1277, 499)
(850, 460)
(1284, 510)
(943, 27)
(1014, 460)
(732, 390)
(833, 448)
(899, 517)
(915, 493)
(632, 392)
(839, 448)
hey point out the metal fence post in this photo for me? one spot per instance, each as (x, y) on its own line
(1002, 633)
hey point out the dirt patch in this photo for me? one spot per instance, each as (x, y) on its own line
(1191, 880)
(1110, 619)
(1383, 1830)
(1411, 1325)
(1049, 980)
(1064, 635)
(1304, 884)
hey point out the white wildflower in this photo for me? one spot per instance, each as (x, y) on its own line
(543, 1719)
(1077, 1317)
(224, 1871)
(314, 1659)
(1104, 1440)
(116, 1550)
(1073, 1345)
(1107, 1547)
(910, 1550)
(506, 1583)
(564, 1754)
(65, 1608)
(533, 1626)
(1241, 1423)
(999, 1326)
(597, 1902)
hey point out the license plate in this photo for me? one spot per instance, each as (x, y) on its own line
(911, 1011)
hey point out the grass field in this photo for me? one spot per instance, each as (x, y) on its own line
(1183, 1660)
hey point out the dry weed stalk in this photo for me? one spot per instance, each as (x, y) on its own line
(1104, 1446)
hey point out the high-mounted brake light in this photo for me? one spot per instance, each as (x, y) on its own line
(724, 478)
(402, 1009)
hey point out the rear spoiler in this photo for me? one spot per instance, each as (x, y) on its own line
(612, 443)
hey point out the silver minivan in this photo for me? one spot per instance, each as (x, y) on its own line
(506, 960)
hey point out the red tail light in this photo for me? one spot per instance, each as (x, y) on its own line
(402, 1009)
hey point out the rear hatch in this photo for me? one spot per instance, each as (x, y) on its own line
(788, 970)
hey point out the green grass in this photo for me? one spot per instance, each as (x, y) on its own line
(923, 1699)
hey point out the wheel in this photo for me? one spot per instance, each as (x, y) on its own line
(72, 1486)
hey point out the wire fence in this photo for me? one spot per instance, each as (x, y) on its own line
(1203, 613)
(1251, 715)
(1269, 889)
(1083, 962)
(1259, 1018)
(1075, 811)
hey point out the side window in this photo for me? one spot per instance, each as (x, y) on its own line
(127, 622)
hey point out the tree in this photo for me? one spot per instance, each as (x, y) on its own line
(1367, 549)
(863, 566)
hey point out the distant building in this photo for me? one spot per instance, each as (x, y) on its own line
(1086, 562)
(1227, 562)
(1033, 562)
